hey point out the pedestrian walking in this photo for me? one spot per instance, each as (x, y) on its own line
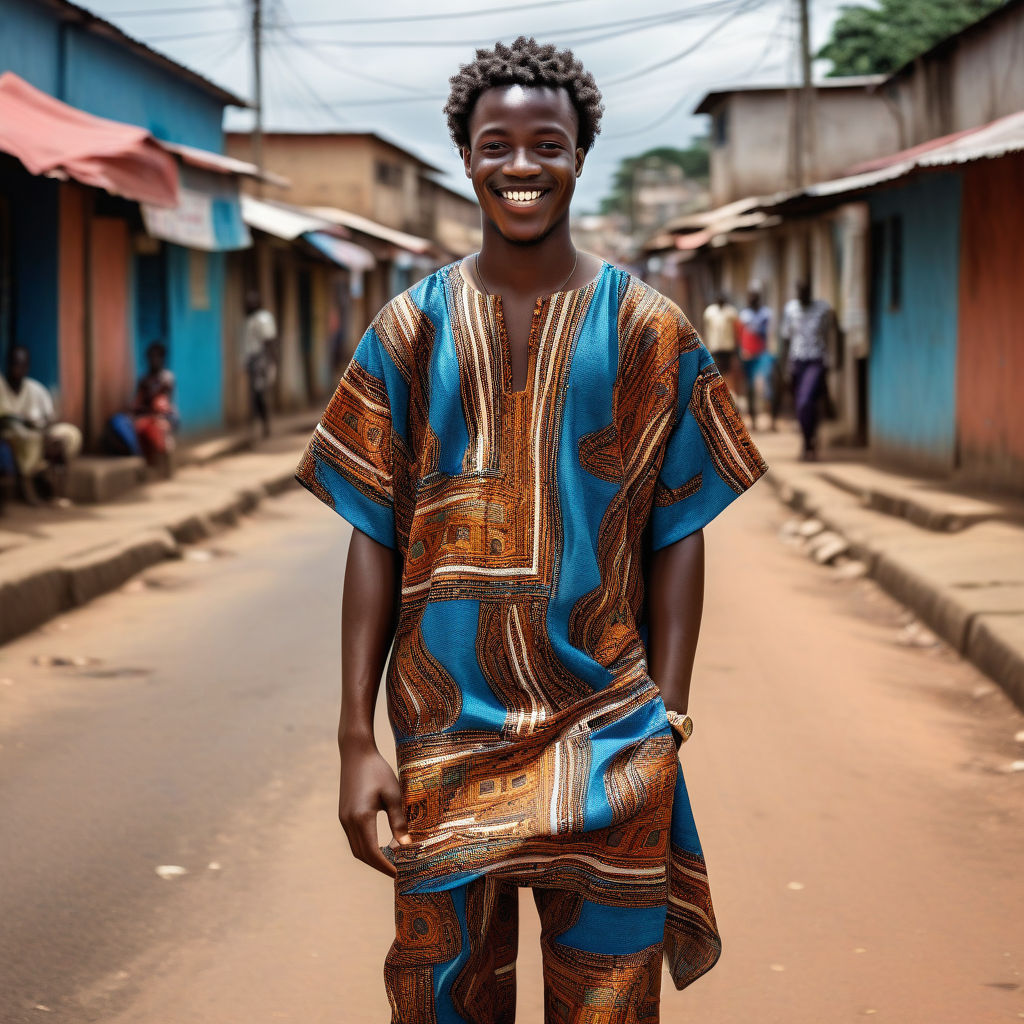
(42, 447)
(755, 324)
(720, 329)
(260, 364)
(809, 327)
(528, 443)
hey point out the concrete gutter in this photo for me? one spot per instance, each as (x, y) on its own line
(967, 586)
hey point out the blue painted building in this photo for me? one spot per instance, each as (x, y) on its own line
(915, 273)
(175, 293)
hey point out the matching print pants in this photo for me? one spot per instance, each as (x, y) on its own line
(454, 957)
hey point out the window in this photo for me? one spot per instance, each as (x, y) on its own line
(388, 174)
(720, 126)
(895, 239)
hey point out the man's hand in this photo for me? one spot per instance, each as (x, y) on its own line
(368, 786)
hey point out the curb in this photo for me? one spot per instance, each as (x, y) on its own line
(971, 633)
(41, 594)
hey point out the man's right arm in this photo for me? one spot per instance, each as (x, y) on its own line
(368, 620)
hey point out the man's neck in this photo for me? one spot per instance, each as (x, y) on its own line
(535, 268)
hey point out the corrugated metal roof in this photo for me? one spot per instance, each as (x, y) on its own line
(280, 219)
(221, 164)
(839, 82)
(400, 239)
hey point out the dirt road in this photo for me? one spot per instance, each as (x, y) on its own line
(863, 836)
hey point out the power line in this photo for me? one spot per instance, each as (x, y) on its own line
(160, 11)
(317, 99)
(445, 16)
(744, 8)
(582, 34)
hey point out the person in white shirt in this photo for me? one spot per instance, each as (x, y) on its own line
(720, 332)
(28, 423)
(260, 334)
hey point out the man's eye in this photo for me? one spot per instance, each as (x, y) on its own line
(549, 145)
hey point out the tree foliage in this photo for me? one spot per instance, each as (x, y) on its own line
(693, 160)
(879, 39)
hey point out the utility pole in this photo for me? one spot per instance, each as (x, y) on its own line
(807, 144)
(257, 88)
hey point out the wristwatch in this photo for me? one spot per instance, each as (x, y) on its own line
(682, 725)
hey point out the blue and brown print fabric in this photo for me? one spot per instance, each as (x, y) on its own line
(533, 746)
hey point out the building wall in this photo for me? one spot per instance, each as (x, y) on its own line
(977, 78)
(990, 362)
(195, 318)
(341, 171)
(103, 77)
(111, 81)
(29, 44)
(913, 360)
(756, 157)
(110, 333)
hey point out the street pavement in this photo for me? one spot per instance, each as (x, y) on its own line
(855, 798)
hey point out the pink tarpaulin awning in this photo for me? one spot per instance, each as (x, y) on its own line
(50, 137)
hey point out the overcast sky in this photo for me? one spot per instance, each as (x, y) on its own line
(321, 75)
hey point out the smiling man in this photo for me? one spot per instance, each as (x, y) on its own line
(528, 443)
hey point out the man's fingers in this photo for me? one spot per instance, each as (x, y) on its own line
(396, 819)
(362, 839)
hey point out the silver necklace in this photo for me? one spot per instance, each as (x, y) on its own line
(483, 284)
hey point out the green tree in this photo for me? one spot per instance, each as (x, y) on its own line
(693, 160)
(869, 40)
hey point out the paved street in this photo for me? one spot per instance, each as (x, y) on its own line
(863, 836)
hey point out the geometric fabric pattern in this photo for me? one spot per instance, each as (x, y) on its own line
(533, 746)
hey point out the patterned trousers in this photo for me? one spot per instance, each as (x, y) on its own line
(454, 957)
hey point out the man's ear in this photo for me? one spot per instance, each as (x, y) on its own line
(465, 161)
(580, 157)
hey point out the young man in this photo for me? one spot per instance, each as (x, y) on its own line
(28, 423)
(720, 332)
(259, 335)
(755, 357)
(529, 443)
(809, 325)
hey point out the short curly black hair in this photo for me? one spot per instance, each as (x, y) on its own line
(524, 62)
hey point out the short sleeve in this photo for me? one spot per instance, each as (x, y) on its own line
(709, 457)
(348, 462)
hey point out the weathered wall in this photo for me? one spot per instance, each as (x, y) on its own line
(852, 126)
(990, 362)
(71, 256)
(113, 361)
(913, 357)
(195, 306)
(977, 78)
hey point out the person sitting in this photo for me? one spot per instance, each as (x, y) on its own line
(155, 417)
(42, 447)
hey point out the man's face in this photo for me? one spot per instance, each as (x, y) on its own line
(523, 159)
(17, 367)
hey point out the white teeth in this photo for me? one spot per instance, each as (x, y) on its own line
(520, 196)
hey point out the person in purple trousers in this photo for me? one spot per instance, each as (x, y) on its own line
(809, 327)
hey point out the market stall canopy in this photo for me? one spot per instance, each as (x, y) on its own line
(291, 222)
(222, 164)
(346, 254)
(50, 137)
(399, 239)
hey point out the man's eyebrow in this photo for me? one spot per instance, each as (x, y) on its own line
(544, 129)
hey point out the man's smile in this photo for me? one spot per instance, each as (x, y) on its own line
(520, 197)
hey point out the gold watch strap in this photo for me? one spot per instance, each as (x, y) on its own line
(682, 725)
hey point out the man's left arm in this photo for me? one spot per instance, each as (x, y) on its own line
(675, 606)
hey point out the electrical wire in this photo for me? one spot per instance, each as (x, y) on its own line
(744, 8)
(318, 100)
(582, 34)
(160, 11)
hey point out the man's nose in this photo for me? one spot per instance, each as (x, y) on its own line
(521, 164)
